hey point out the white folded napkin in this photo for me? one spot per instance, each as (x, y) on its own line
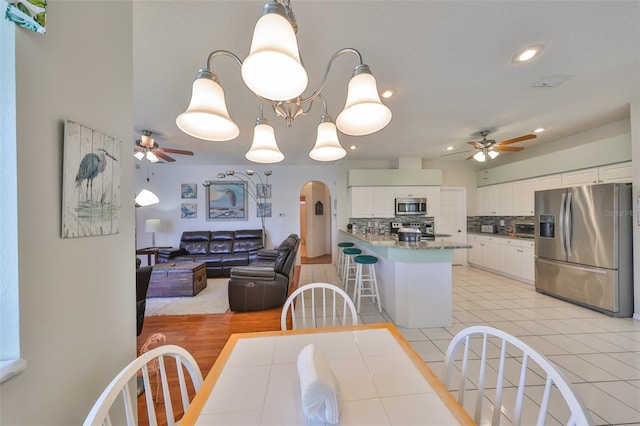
(319, 386)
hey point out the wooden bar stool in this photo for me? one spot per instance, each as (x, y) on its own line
(366, 277)
(349, 267)
(341, 247)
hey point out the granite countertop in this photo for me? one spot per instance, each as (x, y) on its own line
(502, 236)
(392, 241)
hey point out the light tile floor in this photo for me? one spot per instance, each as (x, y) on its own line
(599, 354)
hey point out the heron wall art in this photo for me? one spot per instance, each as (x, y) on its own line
(91, 182)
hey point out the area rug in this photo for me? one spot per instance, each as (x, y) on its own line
(212, 300)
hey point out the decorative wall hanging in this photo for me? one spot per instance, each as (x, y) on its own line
(29, 14)
(226, 200)
(189, 190)
(91, 182)
(188, 210)
(263, 190)
(263, 210)
(319, 208)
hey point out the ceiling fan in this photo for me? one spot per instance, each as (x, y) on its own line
(489, 148)
(146, 146)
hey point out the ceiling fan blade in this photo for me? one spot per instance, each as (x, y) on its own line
(164, 156)
(519, 139)
(477, 145)
(176, 151)
(508, 148)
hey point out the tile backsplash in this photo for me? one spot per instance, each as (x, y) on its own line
(503, 224)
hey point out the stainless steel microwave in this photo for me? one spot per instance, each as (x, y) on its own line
(411, 206)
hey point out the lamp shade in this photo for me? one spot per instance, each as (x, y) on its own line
(480, 157)
(493, 154)
(363, 112)
(327, 147)
(152, 225)
(152, 157)
(207, 116)
(264, 148)
(273, 69)
(139, 155)
(146, 198)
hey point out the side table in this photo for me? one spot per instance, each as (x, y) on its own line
(149, 252)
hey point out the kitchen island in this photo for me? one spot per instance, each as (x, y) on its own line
(414, 279)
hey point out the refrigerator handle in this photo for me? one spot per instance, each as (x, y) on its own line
(561, 223)
(568, 224)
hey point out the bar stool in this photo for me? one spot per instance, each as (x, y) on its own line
(342, 246)
(349, 267)
(361, 290)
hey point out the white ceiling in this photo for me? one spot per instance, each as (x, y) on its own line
(450, 62)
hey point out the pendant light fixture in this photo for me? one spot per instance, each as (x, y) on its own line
(273, 71)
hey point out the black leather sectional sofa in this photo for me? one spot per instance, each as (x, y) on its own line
(264, 283)
(219, 250)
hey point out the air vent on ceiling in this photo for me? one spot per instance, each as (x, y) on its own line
(552, 81)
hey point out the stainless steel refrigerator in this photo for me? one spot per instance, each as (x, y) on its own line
(583, 246)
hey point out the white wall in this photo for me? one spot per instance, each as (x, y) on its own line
(165, 179)
(635, 147)
(77, 296)
(318, 232)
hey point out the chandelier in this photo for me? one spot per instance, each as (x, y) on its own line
(274, 73)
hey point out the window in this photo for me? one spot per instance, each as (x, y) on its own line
(10, 364)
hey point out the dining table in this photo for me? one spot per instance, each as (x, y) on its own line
(381, 379)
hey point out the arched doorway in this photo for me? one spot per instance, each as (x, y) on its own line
(315, 223)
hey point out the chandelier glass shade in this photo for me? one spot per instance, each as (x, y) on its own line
(363, 112)
(273, 71)
(264, 148)
(327, 147)
(481, 156)
(206, 116)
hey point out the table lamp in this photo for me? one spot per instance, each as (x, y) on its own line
(152, 225)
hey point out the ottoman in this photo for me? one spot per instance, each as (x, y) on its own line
(177, 279)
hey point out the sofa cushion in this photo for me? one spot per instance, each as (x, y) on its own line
(221, 246)
(235, 259)
(288, 245)
(248, 234)
(195, 242)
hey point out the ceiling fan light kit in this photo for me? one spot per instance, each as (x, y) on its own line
(147, 147)
(274, 73)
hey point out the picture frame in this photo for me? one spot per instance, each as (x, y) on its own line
(263, 210)
(226, 201)
(263, 190)
(91, 182)
(188, 191)
(188, 210)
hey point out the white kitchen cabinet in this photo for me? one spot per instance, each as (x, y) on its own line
(504, 199)
(433, 200)
(619, 172)
(523, 197)
(517, 259)
(372, 201)
(411, 191)
(543, 183)
(511, 257)
(487, 200)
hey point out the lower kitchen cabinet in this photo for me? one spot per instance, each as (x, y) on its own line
(511, 257)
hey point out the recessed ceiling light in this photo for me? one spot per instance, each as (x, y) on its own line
(388, 93)
(449, 148)
(527, 54)
(352, 147)
(539, 130)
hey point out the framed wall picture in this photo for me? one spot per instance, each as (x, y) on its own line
(91, 181)
(263, 190)
(188, 191)
(263, 210)
(188, 210)
(227, 200)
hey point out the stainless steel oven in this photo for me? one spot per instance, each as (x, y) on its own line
(411, 206)
(525, 229)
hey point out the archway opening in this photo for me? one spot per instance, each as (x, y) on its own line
(315, 223)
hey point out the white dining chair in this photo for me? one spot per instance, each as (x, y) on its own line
(124, 385)
(526, 385)
(318, 305)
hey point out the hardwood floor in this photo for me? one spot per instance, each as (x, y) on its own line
(204, 336)
(324, 259)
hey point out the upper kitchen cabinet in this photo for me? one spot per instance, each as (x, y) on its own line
(495, 200)
(619, 172)
(411, 191)
(524, 190)
(372, 201)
